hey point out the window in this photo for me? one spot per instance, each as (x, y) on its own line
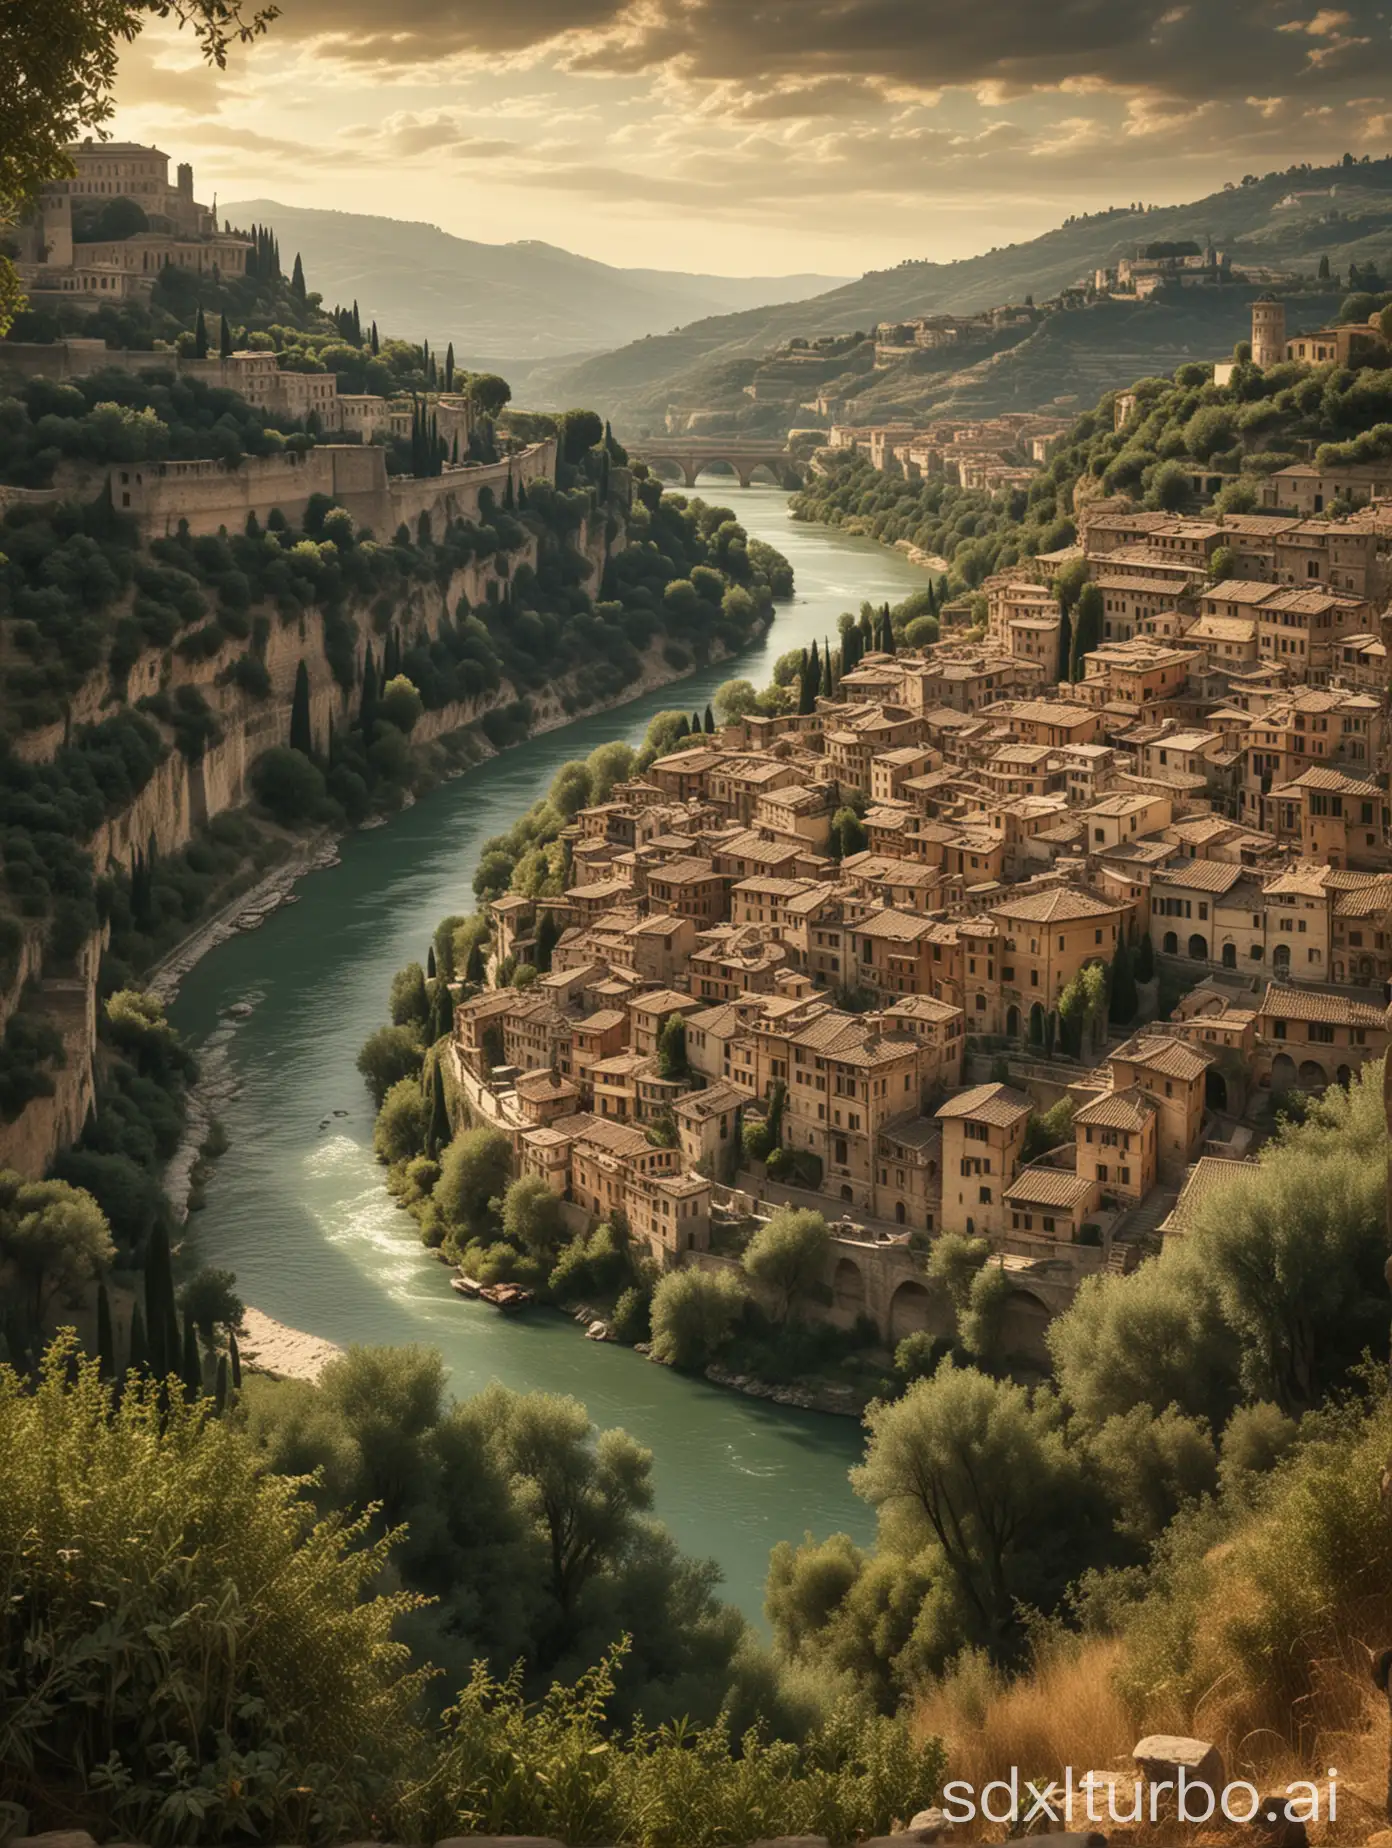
(985, 1196)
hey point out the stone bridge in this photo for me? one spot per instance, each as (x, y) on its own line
(742, 454)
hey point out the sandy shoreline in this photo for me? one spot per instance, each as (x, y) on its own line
(283, 1353)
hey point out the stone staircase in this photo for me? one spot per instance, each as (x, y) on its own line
(1137, 1226)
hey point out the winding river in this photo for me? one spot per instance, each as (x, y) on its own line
(299, 1211)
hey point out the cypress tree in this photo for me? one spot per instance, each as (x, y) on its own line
(509, 501)
(696, 724)
(297, 281)
(1065, 645)
(357, 325)
(474, 968)
(220, 1394)
(225, 338)
(449, 367)
(811, 681)
(301, 735)
(441, 1010)
(191, 1365)
(454, 453)
(367, 711)
(430, 965)
(827, 687)
(200, 337)
(106, 1340)
(683, 729)
(376, 343)
(1145, 959)
(138, 1359)
(1125, 1000)
(521, 487)
(710, 718)
(161, 1320)
(438, 1134)
(234, 1361)
(886, 632)
(867, 629)
(548, 934)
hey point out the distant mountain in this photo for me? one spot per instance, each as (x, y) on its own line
(1287, 221)
(497, 302)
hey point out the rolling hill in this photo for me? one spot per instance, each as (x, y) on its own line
(501, 304)
(1285, 221)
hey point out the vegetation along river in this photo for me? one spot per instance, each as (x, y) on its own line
(299, 1211)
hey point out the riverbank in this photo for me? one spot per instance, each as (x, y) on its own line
(296, 1207)
(280, 1352)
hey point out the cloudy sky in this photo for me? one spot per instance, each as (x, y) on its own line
(760, 136)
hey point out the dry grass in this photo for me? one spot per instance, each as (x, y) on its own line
(1068, 1711)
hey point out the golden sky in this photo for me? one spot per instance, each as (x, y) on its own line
(762, 136)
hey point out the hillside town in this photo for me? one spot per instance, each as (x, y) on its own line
(1151, 904)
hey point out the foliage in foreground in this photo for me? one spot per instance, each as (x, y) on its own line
(186, 1653)
(190, 1654)
(552, 1770)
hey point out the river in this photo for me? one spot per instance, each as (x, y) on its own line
(299, 1211)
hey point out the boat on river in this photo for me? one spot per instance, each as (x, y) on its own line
(466, 1286)
(509, 1297)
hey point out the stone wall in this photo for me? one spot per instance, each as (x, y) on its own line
(181, 796)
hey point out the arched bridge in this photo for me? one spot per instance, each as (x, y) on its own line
(742, 454)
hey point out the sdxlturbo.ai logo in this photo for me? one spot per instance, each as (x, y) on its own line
(1102, 1797)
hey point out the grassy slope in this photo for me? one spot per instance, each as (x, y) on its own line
(681, 367)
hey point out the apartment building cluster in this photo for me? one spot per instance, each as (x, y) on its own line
(1212, 784)
(994, 452)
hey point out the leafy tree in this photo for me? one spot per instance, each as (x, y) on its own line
(953, 1263)
(547, 937)
(693, 1316)
(399, 1132)
(489, 393)
(532, 1216)
(981, 1472)
(275, 1661)
(1152, 1466)
(1087, 630)
(1153, 1338)
(1222, 563)
(400, 704)
(474, 1172)
(209, 1301)
(410, 1005)
(55, 1240)
(787, 1257)
(848, 834)
(671, 1048)
(734, 699)
(390, 1054)
(287, 785)
(580, 430)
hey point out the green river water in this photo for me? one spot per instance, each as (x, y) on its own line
(300, 1213)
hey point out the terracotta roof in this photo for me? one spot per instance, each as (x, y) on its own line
(1329, 1010)
(1129, 1108)
(1049, 1187)
(1172, 1058)
(1201, 875)
(988, 1103)
(1058, 905)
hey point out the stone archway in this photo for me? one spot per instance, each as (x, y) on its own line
(910, 1311)
(1281, 959)
(1283, 1073)
(1198, 948)
(1024, 1319)
(1012, 1022)
(1312, 1075)
(1343, 1076)
(1215, 1089)
(1229, 955)
(1170, 946)
(848, 1289)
